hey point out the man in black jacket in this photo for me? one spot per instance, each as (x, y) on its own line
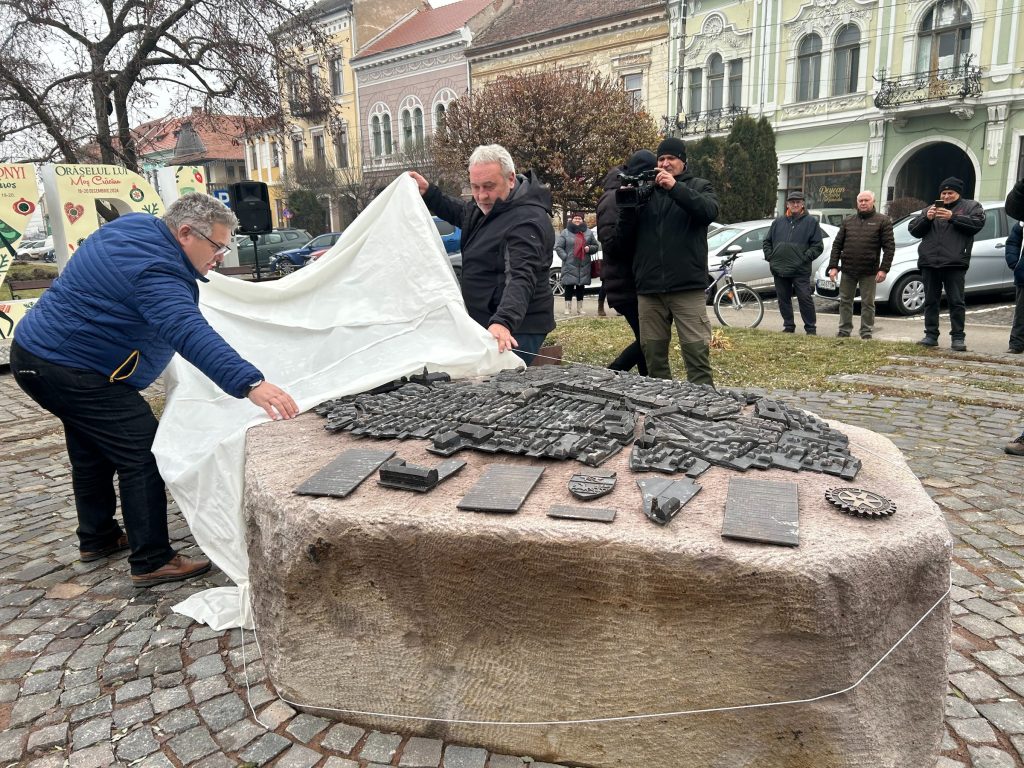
(668, 236)
(1015, 210)
(507, 242)
(792, 244)
(947, 229)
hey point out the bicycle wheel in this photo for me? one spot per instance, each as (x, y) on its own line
(738, 306)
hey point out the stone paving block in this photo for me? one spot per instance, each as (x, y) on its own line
(221, 712)
(340, 762)
(265, 749)
(91, 732)
(34, 643)
(136, 745)
(421, 753)
(465, 757)
(981, 626)
(208, 688)
(160, 661)
(198, 650)
(28, 708)
(505, 761)
(156, 760)
(99, 756)
(164, 637)
(948, 742)
(1001, 662)
(50, 761)
(178, 720)
(12, 744)
(137, 712)
(116, 673)
(1014, 623)
(959, 708)
(258, 695)
(975, 730)
(990, 757)
(49, 737)
(208, 666)
(298, 756)
(87, 657)
(50, 661)
(1007, 716)
(276, 713)
(342, 738)
(945, 762)
(8, 692)
(985, 608)
(1010, 645)
(44, 681)
(72, 697)
(192, 745)
(216, 761)
(977, 686)
(380, 747)
(169, 680)
(133, 689)
(236, 736)
(166, 699)
(304, 727)
(101, 706)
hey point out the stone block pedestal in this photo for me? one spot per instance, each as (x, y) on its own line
(395, 602)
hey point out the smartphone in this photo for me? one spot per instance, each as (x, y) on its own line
(939, 204)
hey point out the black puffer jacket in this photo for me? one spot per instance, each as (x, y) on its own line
(506, 255)
(792, 244)
(948, 244)
(860, 239)
(617, 267)
(669, 236)
(1015, 201)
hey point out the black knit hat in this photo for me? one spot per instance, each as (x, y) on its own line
(642, 160)
(670, 145)
(953, 183)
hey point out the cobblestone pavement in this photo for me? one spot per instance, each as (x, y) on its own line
(95, 673)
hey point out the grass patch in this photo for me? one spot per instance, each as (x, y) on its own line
(23, 271)
(744, 357)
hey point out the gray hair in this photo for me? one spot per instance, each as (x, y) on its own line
(867, 192)
(493, 153)
(200, 212)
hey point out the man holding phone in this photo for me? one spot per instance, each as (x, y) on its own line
(946, 229)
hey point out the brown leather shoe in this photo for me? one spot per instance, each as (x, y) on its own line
(119, 546)
(179, 569)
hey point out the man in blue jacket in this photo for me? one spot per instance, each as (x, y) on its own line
(125, 303)
(1016, 263)
(792, 244)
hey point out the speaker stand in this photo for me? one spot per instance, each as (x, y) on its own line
(256, 257)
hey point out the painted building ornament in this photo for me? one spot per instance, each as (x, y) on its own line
(825, 17)
(717, 37)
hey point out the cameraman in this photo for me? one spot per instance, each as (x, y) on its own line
(668, 234)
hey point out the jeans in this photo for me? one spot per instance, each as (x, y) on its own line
(109, 428)
(1017, 329)
(784, 289)
(658, 311)
(952, 280)
(633, 355)
(529, 346)
(848, 285)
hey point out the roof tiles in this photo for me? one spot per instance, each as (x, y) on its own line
(426, 24)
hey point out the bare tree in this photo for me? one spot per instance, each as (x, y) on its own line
(76, 73)
(570, 126)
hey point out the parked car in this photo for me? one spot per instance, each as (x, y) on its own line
(833, 216)
(295, 258)
(269, 244)
(751, 267)
(451, 235)
(903, 288)
(34, 249)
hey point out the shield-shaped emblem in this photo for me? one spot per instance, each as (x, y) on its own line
(591, 484)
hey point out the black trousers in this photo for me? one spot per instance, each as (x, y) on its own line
(109, 429)
(1017, 329)
(952, 281)
(633, 355)
(785, 287)
(575, 291)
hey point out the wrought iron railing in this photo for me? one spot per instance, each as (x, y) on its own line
(307, 107)
(961, 83)
(712, 121)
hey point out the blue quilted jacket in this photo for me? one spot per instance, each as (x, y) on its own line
(125, 303)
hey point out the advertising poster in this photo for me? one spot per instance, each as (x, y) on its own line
(10, 313)
(18, 195)
(178, 180)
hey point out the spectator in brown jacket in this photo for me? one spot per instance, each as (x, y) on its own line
(855, 250)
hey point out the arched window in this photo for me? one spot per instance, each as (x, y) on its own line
(736, 83)
(716, 82)
(407, 145)
(375, 133)
(808, 83)
(696, 90)
(440, 111)
(945, 36)
(385, 129)
(846, 64)
(417, 127)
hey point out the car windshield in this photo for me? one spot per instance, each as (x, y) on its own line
(320, 242)
(720, 237)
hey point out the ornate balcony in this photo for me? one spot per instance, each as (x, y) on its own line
(314, 107)
(959, 83)
(712, 121)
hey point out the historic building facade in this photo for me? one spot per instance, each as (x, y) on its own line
(888, 95)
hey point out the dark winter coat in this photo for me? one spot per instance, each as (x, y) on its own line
(506, 255)
(617, 263)
(792, 244)
(575, 271)
(1012, 254)
(125, 303)
(947, 244)
(668, 236)
(1015, 201)
(860, 239)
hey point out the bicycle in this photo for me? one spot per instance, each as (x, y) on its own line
(736, 304)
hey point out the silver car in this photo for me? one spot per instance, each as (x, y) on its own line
(751, 267)
(903, 288)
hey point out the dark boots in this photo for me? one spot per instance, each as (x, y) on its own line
(600, 306)
(697, 357)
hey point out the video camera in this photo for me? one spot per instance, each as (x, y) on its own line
(635, 190)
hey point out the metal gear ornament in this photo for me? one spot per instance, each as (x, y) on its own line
(857, 501)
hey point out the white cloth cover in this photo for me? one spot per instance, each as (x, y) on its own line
(381, 304)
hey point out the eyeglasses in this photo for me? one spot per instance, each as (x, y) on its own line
(222, 250)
